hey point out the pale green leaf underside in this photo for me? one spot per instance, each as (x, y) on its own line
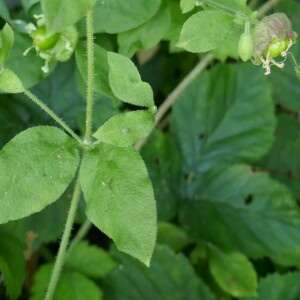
(6, 42)
(36, 167)
(71, 285)
(125, 81)
(234, 272)
(235, 208)
(61, 14)
(120, 199)
(115, 16)
(126, 129)
(10, 82)
(89, 260)
(170, 276)
(205, 30)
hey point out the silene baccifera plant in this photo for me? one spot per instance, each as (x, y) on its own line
(41, 162)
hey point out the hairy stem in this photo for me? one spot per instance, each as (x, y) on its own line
(90, 76)
(266, 7)
(64, 242)
(56, 118)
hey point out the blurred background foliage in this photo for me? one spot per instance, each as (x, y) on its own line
(224, 162)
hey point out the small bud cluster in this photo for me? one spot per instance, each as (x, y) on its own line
(55, 47)
(272, 37)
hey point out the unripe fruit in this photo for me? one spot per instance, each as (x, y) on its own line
(42, 40)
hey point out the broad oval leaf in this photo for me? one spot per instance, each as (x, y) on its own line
(36, 167)
(115, 16)
(226, 115)
(6, 42)
(120, 199)
(238, 209)
(126, 129)
(234, 272)
(148, 34)
(61, 14)
(170, 276)
(126, 83)
(89, 260)
(10, 82)
(205, 30)
(71, 285)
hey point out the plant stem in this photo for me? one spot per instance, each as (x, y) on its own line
(90, 76)
(64, 242)
(56, 118)
(84, 229)
(266, 7)
(177, 91)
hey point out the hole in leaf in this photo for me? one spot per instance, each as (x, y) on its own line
(248, 200)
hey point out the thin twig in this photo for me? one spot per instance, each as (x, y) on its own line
(266, 7)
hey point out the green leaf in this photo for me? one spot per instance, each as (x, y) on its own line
(238, 209)
(232, 4)
(126, 129)
(187, 5)
(71, 285)
(279, 287)
(61, 14)
(171, 235)
(170, 276)
(120, 200)
(12, 261)
(4, 12)
(164, 166)
(10, 82)
(234, 272)
(36, 167)
(89, 260)
(125, 81)
(147, 35)
(6, 42)
(117, 16)
(283, 161)
(101, 84)
(224, 116)
(205, 30)
(27, 68)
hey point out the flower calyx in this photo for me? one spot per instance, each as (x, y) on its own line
(272, 37)
(51, 47)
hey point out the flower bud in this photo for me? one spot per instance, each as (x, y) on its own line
(245, 47)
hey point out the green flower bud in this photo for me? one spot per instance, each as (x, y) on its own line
(245, 47)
